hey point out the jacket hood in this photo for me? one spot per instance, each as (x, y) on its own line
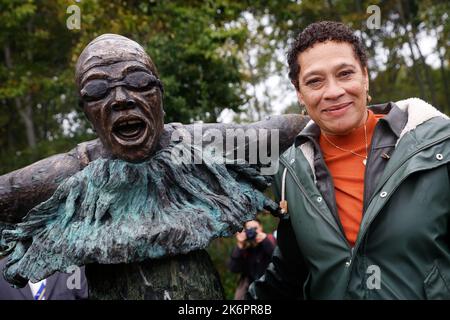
(418, 112)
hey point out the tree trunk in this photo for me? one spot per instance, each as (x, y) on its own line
(444, 82)
(252, 81)
(26, 113)
(425, 67)
(10, 139)
(416, 72)
(184, 277)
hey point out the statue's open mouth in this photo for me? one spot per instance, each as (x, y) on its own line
(130, 130)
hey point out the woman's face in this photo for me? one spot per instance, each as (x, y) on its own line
(333, 87)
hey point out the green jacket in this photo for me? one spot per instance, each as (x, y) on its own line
(403, 246)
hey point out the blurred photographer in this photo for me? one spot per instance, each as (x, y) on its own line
(251, 255)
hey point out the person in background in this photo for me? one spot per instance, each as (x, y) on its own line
(251, 255)
(55, 287)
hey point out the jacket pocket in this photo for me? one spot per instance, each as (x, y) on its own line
(436, 283)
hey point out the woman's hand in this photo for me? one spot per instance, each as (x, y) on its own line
(241, 237)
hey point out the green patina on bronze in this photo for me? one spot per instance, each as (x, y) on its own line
(116, 212)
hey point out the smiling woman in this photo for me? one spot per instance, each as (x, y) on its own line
(333, 81)
(355, 177)
(333, 87)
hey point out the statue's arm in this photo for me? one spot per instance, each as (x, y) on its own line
(287, 126)
(25, 188)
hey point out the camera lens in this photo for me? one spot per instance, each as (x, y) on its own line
(250, 233)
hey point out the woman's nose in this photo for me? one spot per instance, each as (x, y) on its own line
(334, 90)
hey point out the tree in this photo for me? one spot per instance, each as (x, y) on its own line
(189, 41)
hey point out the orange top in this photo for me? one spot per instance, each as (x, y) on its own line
(348, 171)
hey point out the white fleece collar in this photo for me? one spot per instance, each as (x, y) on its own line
(419, 112)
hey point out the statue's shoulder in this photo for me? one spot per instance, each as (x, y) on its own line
(88, 151)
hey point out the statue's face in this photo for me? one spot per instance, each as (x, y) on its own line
(123, 101)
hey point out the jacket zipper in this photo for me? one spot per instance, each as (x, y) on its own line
(334, 212)
(337, 229)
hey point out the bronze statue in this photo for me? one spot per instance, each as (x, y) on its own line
(122, 96)
(125, 205)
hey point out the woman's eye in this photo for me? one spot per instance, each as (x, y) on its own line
(346, 73)
(313, 82)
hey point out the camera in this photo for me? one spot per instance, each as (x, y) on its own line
(250, 234)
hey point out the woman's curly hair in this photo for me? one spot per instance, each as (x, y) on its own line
(320, 32)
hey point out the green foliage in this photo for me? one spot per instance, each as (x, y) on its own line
(201, 76)
(195, 53)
